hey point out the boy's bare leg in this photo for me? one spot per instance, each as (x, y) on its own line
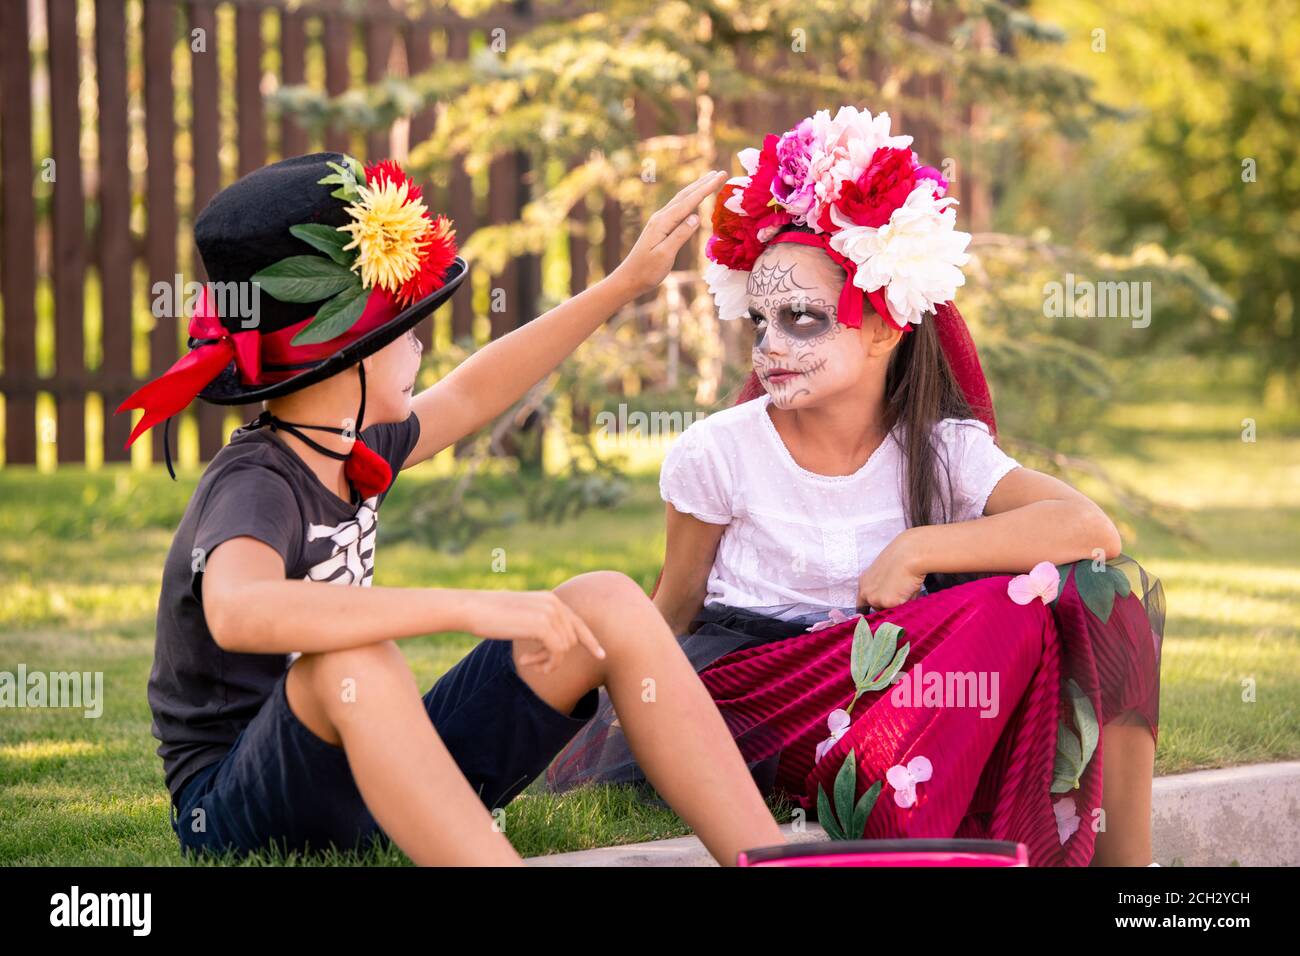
(1128, 765)
(677, 735)
(366, 700)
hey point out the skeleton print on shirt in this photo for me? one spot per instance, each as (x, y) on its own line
(352, 559)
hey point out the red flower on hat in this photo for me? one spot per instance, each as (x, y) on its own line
(436, 257)
(436, 247)
(388, 170)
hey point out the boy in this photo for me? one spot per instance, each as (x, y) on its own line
(286, 714)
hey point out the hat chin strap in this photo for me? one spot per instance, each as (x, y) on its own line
(368, 472)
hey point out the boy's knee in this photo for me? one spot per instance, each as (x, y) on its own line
(601, 592)
(337, 677)
(616, 609)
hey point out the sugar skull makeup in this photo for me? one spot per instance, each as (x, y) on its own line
(801, 352)
(861, 202)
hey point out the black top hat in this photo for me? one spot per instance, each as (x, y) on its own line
(284, 237)
(246, 228)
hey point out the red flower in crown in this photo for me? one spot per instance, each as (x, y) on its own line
(734, 242)
(757, 197)
(883, 186)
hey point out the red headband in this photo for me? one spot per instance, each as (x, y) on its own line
(850, 305)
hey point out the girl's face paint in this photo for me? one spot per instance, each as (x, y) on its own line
(802, 354)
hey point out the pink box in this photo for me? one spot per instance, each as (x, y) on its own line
(889, 853)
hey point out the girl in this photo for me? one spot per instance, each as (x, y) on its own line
(860, 472)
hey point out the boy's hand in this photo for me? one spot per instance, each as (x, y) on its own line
(894, 578)
(547, 626)
(667, 230)
(500, 373)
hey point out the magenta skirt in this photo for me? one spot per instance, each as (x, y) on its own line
(989, 730)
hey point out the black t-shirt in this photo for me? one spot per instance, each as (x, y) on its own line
(202, 696)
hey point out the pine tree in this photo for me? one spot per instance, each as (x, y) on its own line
(630, 100)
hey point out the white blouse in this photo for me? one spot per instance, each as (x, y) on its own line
(796, 542)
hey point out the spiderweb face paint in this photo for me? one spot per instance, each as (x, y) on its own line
(793, 300)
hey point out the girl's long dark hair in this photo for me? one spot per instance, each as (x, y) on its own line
(921, 391)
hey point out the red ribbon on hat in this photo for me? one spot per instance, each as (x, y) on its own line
(170, 392)
(175, 388)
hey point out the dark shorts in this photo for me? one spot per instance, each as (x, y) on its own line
(281, 785)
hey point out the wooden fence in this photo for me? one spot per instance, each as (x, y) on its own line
(122, 125)
(94, 223)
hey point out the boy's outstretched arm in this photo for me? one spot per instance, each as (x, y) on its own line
(499, 374)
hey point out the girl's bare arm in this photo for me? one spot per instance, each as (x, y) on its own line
(688, 558)
(1030, 517)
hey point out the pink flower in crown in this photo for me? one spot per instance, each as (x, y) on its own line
(844, 147)
(929, 172)
(791, 186)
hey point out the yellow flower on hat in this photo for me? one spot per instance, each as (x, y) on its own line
(389, 231)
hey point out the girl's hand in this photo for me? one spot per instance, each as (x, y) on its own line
(894, 578)
(547, 626)
(665, 233)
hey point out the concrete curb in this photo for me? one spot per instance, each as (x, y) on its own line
(1248, 815)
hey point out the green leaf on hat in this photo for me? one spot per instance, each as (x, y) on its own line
(336, 316)
(326, 239)
(304, 279)
(347, 178)
(358, 171)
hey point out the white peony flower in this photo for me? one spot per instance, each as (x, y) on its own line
(729, 288)
(916, 256)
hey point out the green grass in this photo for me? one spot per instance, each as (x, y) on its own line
(81, 552)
